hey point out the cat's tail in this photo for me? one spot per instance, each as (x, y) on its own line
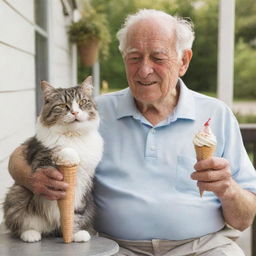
(17, 206)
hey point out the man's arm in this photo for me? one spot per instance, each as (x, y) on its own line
(45, 181)
(239, 207)
(238, 204)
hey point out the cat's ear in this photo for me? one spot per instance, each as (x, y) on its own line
(87, 85)
(46, 87)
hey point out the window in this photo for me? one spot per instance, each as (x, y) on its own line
(41, 48)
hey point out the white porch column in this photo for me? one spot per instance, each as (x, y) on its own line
(50, 66)
(74, 67)
(96, 78)
(226, 50)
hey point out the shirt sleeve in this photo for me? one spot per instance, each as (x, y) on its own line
(234, 151)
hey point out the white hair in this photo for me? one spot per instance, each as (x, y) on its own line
(183, 29)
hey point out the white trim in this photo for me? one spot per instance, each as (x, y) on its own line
(76, 15)
(74, 64)
(50, 46)
(226, 51)
(96, 78)
(41, 31)
(74, 68)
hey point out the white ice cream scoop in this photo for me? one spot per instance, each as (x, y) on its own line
(67, 157)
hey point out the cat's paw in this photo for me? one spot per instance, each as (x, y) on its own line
(81, 236)
(30, 236)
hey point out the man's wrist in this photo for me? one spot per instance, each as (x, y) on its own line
(232, 191)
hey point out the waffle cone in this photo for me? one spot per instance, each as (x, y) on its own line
(66, 205)
(203, 153)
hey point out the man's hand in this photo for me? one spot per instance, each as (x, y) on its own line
(48, 182)
(214, 175)
(45, 181)
(238, 204)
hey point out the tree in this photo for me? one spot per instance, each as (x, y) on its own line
(202, 73)
(246, 21)
(245, 75)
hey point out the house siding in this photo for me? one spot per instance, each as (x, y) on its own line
(17, 69)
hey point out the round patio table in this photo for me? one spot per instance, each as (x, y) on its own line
(97, 246)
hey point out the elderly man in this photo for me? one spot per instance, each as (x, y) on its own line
(147, 184)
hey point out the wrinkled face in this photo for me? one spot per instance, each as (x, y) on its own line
(152, 66)
(68, 107)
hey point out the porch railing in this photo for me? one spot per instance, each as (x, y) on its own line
(249, 137)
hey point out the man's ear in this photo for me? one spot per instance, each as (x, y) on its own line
(87, 85)
(186, 58)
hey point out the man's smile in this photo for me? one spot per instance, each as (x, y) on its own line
(146, 83)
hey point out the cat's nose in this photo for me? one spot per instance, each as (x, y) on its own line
(75, 113)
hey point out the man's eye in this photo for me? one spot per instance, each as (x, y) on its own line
(134, 59)
(157, 59)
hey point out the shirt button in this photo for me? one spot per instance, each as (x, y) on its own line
(153, 131)
(153, 148)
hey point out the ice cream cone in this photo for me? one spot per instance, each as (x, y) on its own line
(66, 205)
(203, 153)
(205, 143)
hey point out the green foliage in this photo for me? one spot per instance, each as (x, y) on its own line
(246, 118)
(245, 50)
(244, 75)
(92, 25)
(202, 73)
(112, 70)
(246, 21)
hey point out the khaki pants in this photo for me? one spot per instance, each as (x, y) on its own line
(217, 244)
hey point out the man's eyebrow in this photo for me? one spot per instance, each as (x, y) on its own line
(160, 51)
(135, 50)
(131, 50)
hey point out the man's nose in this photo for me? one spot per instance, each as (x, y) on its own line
(145, 68)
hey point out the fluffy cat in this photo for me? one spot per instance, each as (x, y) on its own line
(68, 119)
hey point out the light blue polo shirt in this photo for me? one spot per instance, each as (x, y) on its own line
(143, 188)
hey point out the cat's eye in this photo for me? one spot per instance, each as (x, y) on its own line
(63, 106)
(83, 102)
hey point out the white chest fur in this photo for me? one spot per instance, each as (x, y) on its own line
(89, 146)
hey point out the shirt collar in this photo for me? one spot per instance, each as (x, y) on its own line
(126, 105)
(185, 108)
